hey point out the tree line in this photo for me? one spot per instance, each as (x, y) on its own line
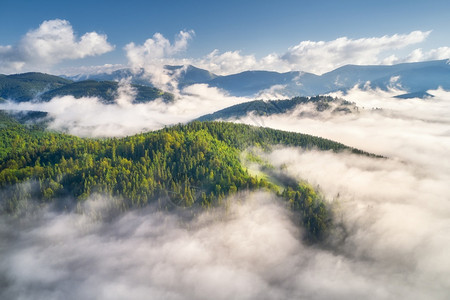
(197, 164)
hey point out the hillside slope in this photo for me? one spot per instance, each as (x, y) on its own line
(106, 90)
(274, 107)
(43, 87)
(197, 165)
(416, 77)
(24, 87)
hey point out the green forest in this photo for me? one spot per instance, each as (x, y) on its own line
(273, 107)
(43, 87)
(192, 165)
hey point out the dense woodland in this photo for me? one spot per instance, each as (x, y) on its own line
(43, 87)
(24, 87)
(193, 165)
(107, 91)
(273, 107)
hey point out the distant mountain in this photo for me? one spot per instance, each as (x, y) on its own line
(421, 95)
(39, 86)
(24, 87)
(106, 90)
(136, 77)
(412, 77)
(26, 117)
(186, 75)
(251, 82)
(274, 107)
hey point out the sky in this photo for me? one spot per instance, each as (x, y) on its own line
(225, 37)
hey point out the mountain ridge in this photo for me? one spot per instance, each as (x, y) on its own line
(191, 165)
(43, 87)
(275, 107)
(413, 77)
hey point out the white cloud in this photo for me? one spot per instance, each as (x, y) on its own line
(154, 54)
(91, 70)
(53, 42)
(322, 56)
(88, 116)
(249, 250)
(434, 54)
(309, 56)
(412, 130)
(272, 93)
(156, 48)
(418, 55)
(226, 63)
(395, 211)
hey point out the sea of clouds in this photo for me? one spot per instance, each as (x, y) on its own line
(89, 117)
(391, 238)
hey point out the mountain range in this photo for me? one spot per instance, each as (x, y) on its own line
(413, 78)
(44, 87)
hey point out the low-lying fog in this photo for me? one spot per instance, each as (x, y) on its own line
(89, 117)
(249, 251)
(393, 215)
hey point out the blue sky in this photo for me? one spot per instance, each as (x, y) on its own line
(254, 28)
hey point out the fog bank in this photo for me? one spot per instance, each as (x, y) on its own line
(89, 117)
(251, 250)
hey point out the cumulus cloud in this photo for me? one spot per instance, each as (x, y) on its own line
(154, 54)
(53, 42)
(322, 56)
(156, 48)
(309, 56)
(88, 116)
(420, 55)
(227, 63)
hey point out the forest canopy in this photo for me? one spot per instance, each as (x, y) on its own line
(196, 164)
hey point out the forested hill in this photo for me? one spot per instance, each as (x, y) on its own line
(43, 87)
(107, 91)
(24, 87)
(274, 107)
(189, 165)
